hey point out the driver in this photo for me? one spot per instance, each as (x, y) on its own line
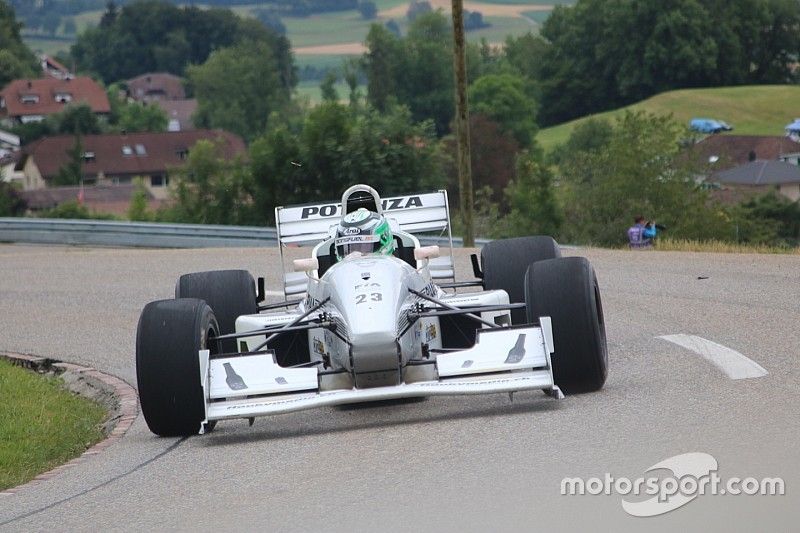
(365, 232)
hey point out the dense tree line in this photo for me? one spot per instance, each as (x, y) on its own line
(154, 36)
(602, 54)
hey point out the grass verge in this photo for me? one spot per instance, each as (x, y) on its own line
(42, 425)
(720, 247)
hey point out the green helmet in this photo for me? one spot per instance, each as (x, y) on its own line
(363, 231)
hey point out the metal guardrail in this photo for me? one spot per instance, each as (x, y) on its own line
(147, 234)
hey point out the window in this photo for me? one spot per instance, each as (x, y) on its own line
(63, 98)
(29, 98)
(140, 150)
(121, 180)
(127, 150)
(88, 156)
(159, 180)
(182, 153)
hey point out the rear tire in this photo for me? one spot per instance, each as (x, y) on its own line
(566, 290)
(168, 339)
(229, 293)
(505, 262)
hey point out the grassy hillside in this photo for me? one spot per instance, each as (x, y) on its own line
(751, 110)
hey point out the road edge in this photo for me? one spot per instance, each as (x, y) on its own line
(115, 394)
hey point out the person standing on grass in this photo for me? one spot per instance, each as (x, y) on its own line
(641, 235)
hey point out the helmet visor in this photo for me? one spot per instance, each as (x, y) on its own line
(365, 244)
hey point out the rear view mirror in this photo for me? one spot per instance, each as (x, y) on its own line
(426, 252)
(306, 265)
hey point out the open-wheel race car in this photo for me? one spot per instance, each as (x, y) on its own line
(370, 315)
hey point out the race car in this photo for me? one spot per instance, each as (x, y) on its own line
(370, 315)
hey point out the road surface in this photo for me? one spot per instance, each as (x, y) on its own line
(473, 463)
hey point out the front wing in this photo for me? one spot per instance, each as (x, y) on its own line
(502, 360)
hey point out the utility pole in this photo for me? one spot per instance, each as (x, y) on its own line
(462, 124)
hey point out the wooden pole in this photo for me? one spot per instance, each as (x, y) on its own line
(462, 124)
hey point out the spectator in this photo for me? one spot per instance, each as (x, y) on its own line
(641, 235)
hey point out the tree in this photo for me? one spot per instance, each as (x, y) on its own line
(532, 199)
(137, 210)
(155, 36)
(328, 87)
(417, 8)
(271, 19)
(493, 154)
(142, 117)
(72, 171)
(769, 219)
(503, 98)
(237, 88)
(367, 9)
(339, 145)
(591, 135)
(380, 65)
(393, 27)
(78, 119)
(211, 190)
(11, 202)
(16, 59)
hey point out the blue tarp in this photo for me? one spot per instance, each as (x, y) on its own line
(794, 126)
(708, 125)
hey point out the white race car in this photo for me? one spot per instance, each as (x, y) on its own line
(371, 315)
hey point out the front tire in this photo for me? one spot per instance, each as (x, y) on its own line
(229, 293)
(505, 261)
(169, 336)
(566, 290)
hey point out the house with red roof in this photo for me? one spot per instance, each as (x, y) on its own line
(116, 159)
(23, 101)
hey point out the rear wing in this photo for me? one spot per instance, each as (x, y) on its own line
(310, 224)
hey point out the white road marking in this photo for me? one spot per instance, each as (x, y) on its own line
(734, 364)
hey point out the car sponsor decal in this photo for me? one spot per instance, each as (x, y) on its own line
(332, 210)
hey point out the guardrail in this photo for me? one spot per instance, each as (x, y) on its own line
(147, 234)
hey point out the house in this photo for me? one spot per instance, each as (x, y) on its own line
(722, 152)
(116, 159)
(54, 69)
(180, 113)
(23, 101)
(113, 199)
(8, 172)
(8, 143)
(156, 86)
(760, 176)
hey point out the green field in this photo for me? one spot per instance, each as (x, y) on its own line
(42, 425)
(751, 110)
(324, 29)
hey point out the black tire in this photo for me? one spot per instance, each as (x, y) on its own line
(504, 263)
(170, 334)
(566, 290)
(229, 293)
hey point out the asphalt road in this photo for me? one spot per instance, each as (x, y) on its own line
(473, 463)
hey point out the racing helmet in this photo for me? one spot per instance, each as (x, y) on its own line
(363, 231)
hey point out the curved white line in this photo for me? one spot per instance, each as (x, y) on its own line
(734, 364)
